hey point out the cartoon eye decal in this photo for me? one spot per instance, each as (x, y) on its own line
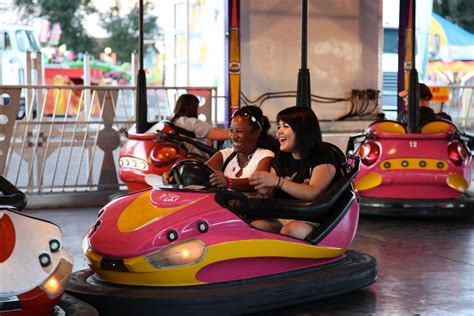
(172, 235)
(45, 260)
(203, 226)
(54, 245)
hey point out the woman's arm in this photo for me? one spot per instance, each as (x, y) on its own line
(218, 134)
(202, 129)
(321, 177)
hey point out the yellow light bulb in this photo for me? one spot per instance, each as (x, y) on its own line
(185, 253)
(52, 285)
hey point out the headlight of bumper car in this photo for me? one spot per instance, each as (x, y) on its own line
(133, 163)
(184, 253)
(56, 284)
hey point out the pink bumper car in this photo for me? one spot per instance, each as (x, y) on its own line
(414, 174)
(155, 153)
(191, 249)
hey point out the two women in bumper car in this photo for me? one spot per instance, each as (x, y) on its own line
(302, 168)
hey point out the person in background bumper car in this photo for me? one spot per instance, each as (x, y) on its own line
(426, 113)
(185, 119)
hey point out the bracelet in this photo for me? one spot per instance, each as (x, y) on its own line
(277, 187)
(281, 184)
(229, 183)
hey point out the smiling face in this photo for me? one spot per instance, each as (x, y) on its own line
(243, 135)
(287, 137)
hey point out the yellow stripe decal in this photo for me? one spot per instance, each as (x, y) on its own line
(457, 182)
(141, 212)
(145, 274)
(370, 181)
(413, 164)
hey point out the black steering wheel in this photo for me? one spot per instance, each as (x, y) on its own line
(11, 195)
(189, 172)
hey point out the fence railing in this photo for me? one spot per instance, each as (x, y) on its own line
(69, 137)
(460, 105)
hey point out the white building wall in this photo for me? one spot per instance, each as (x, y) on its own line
(343, 50)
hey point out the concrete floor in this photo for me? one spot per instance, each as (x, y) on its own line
(425, 267)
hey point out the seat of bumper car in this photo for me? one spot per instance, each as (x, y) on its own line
(442, 127)
(387, 127)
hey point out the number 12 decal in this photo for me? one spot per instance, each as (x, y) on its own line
(413, 144)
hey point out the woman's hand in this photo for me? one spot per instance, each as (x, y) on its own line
(265, 192)
(218, 179)
(167, 178)
(263, 181)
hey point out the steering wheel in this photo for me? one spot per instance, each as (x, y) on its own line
(189, 172)
(11, 195)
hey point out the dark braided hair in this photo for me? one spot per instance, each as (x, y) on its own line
(259, 121)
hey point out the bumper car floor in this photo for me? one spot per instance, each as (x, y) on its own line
(425, 266)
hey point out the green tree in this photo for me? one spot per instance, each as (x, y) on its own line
(68, 14)
(124, 30)
(460, 12)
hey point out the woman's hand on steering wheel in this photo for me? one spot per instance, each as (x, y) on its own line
(190, 172)
(218, 179)
(167, 178)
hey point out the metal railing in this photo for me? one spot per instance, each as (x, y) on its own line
(70, 136)
(460, 106)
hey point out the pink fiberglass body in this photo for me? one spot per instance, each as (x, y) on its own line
(130, 230)
(415, 166)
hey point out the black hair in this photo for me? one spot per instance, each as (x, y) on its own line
(425, 92)
(308, 139)
(258, 121)
(186, 105)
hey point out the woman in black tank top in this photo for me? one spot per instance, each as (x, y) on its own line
(304, 168)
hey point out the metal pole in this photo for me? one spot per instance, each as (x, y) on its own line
(141, 107)
(187, 44)
(303, 94)
(402, 83)
(28, 100)
(304, 34)
(38, 65)
(414, 90)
